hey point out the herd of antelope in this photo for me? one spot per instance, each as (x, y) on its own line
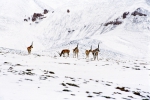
(75, 52)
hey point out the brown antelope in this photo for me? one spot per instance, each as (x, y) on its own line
(63, 52)
(29, 48)
(87, 52)
(75, 52)
(95, 53)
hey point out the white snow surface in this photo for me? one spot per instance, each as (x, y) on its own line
(121, 72)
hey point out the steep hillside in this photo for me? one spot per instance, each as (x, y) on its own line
(127, 21)
(122, 27)
(15, 32)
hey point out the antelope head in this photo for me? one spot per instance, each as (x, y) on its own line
(77, 45)
(59, 53)
(98, 47)
(91, 49)
(32, 45)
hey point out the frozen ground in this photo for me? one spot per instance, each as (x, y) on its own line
(36, 77)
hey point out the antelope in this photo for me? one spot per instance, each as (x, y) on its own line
(75, 52)
(63, 52)
(95, 53)
(29, 48)
(87, 52)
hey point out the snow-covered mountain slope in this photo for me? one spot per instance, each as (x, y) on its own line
(121, 26)
(13, 30)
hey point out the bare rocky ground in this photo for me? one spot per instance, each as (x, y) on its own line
(24, 76)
